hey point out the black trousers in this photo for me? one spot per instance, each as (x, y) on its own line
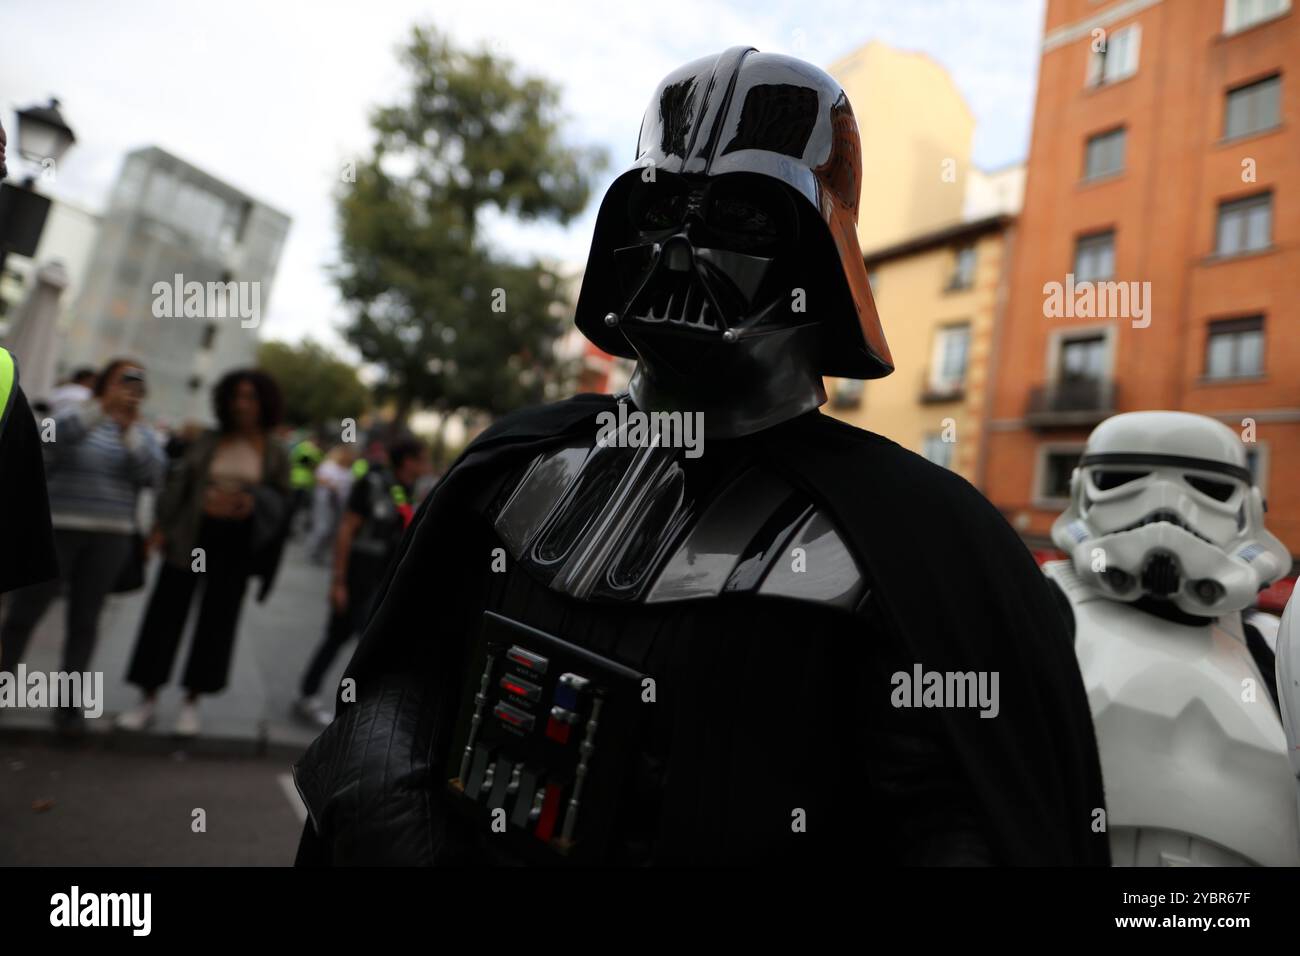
(224, 580)
(365, 574)
(90, 562)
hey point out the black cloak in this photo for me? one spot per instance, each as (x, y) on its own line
(954, 580)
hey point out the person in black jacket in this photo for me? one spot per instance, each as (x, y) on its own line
(27, 556)
(701, 622)
(24, 504)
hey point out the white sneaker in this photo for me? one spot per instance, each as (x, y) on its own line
(137, 718)
(187, 722)
(313, 711)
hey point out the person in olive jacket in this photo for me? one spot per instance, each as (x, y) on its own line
(221, 519)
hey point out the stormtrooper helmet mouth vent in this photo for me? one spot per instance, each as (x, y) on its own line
(1160, 575)
(1166, 516)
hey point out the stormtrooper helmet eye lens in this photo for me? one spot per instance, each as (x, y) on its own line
(1106, 480)
(1218, 490)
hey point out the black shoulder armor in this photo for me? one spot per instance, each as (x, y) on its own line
(641, 524)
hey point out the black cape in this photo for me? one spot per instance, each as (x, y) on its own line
(953, 578)
(27, 554)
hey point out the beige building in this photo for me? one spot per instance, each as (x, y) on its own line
(939, 295)
(916, 139)
(935, 233)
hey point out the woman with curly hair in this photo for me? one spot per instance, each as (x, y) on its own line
(220, 520)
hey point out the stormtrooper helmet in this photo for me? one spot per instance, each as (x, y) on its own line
(1162, 505)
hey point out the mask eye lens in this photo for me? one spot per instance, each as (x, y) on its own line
(663, 211)
(1218, 490)
(1106, 480)
(739, 218)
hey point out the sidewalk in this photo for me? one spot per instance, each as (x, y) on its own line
(253, 716)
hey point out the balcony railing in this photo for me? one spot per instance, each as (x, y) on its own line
(1072, 402)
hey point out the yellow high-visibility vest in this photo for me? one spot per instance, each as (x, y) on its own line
(8, 386)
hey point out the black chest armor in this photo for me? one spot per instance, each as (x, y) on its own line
(650, 525)
(651, 614)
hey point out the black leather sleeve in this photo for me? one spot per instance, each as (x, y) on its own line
(366, 782)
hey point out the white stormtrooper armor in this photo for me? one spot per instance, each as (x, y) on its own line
(1288, 682)
(1167, 543)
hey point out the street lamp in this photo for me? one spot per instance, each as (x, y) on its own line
(42, 137)
(43, 134)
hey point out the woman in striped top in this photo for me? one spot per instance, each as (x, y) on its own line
(98, 457)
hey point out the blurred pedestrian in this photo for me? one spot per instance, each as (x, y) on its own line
(333, 483)
(180, 438)
(24, 504)
(220, 520)
(380, 507)
(98, 460)
(74, 391)
(304, 457)
(24, 501)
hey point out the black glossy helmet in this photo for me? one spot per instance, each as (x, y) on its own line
(734, 233)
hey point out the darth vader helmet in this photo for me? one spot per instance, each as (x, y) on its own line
(1163, 505)
(726, 260)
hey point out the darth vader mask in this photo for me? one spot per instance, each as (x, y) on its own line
(726, 259)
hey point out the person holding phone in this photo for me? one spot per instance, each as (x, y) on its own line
(98, 459)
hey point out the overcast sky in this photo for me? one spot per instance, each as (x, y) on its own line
(272, 96)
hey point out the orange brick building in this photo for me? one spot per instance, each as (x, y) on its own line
(1164, 169)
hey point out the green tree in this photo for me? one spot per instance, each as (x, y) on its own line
(451, 323)
(319, 388)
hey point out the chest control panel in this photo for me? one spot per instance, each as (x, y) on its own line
(541, 741)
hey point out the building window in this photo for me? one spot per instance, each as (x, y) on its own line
(1240, 14)
(934, 448)
(1235, 348)
(949, 358)
(1118, 57)
(1055, 471)
(1253, 108)
(1082, 358)
(1094, 257)
(1104, 154)
(848, 393)
(1257, 458)
(1245, 225)
(963, 271)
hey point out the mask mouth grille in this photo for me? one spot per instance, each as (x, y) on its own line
(677, 300)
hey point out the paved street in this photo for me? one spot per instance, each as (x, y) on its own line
(93, 807)
(120, 799)
(253, 715)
